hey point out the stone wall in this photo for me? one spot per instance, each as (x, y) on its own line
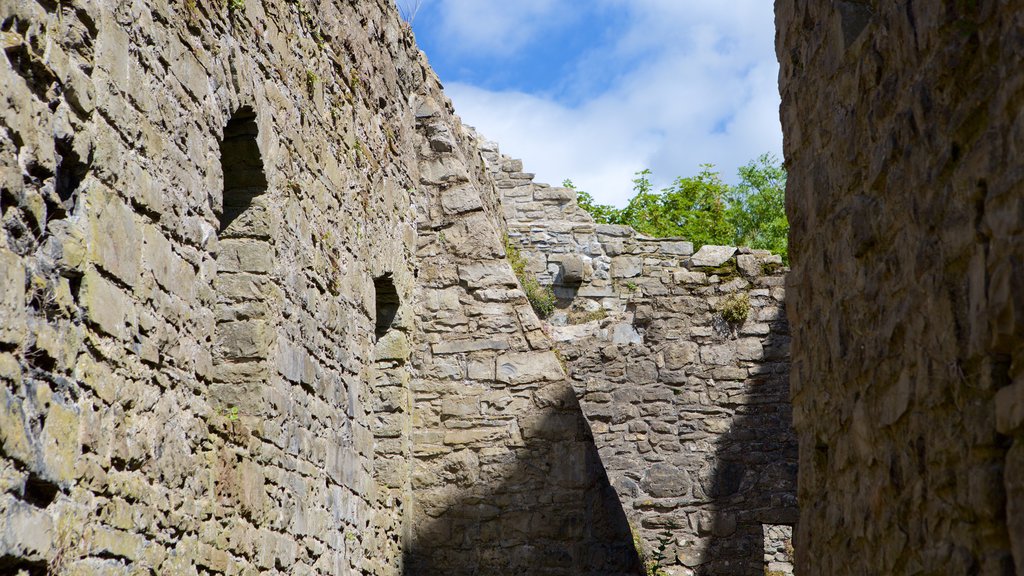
(257, 317)
(505, 473)
(196, 199)
(679, 361)
(903, 137)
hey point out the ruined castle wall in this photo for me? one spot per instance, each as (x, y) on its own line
(257, 317)
(196, 199)
(903, 137)
(505, 474)
(689, 410)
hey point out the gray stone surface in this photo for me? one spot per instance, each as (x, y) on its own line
(256, 317)
(690, 415)
(712, 256)
(908, 340)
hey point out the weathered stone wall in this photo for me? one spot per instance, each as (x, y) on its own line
(903, 137)
(210, 214)
(190, 381)
(257, 317)
(506, 476)
(689, 410)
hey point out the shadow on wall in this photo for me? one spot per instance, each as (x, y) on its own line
(545, 507)
(753, 480)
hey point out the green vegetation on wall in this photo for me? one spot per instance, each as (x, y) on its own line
(705, 210)
(542, 298)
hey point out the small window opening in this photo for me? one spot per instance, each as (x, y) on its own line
(244, 256)
(244, 178)
(71, 171)
(387, 303)
(779, 555)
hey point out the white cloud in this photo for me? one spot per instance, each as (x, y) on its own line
(702, 88)
(498, 27)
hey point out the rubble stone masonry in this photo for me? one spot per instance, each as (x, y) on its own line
(680, 362)
(257, 317)
(904, 133)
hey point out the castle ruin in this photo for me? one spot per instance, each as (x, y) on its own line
(259, 317)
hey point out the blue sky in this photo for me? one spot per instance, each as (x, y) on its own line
(596, 90)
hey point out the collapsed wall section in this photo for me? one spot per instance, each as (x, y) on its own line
(505, 474)
(903, 137)
(680, 363)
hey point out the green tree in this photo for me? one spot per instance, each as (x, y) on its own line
(758, 206)
(644, 211)
(698, 208)
(706, 210)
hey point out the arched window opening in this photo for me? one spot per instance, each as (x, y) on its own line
(245, 258)
(244, 178)
(387, 303)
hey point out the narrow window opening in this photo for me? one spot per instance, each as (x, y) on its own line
(244, 258)
(244, 178)
(71, 172)
(779, 555)
(387, 303)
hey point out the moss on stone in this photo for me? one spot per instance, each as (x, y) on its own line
(734, 308)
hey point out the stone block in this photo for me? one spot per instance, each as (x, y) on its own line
(610, 247)
(460, 406)
(169, 269)
(26, 532)
(729, 373)
(677, 355)
(591, 291)
(527, 367)
(718, 355)
(469, 345)
(461, 199)
(254, 221)
(560, 195)
(244, 255)
(474, 436)
(12, 298)
(112, 52)
(107, 306)
(394, 345)
(243, 339)
(114, 237)
(60, 442)
(749, 349)
(627, 266)
(676, 248)
(748, 265)
(512, 165)
(14, 431)
(483, 370)
(614, 230)
(712, 256)
(487, 275)
(551, 425)
(624, 334)
(1009, 404)
(443, 172)
(572, 269)
(663, 480)
(293, 361)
